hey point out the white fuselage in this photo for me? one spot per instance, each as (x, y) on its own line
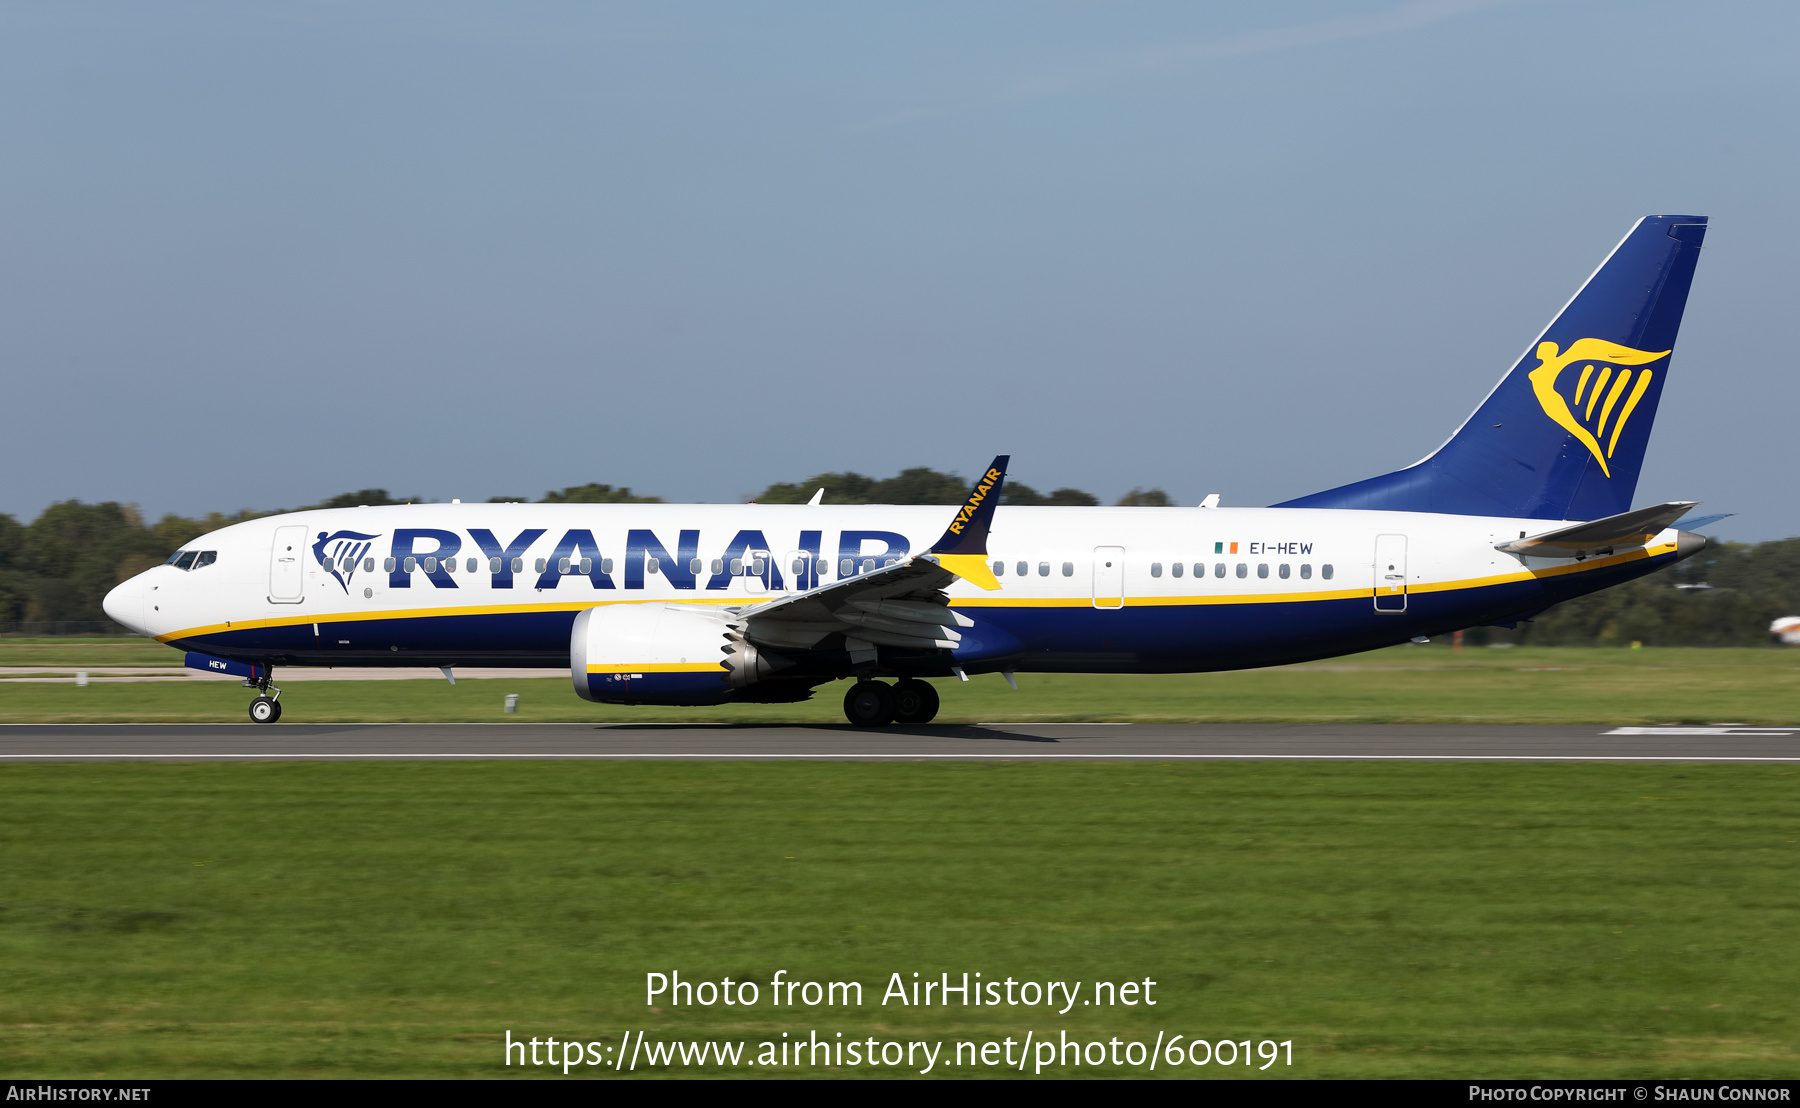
(1106, 589)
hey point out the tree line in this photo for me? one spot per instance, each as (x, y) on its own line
(60, 566)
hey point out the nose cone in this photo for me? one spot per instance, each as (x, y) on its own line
(1688, 544)
(125, 605)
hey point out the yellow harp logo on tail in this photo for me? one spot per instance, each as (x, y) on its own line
(1603, 391)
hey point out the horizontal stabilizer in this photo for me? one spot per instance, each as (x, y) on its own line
(1694, 523)
(1578, 540)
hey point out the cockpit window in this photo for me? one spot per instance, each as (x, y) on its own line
(192, 559)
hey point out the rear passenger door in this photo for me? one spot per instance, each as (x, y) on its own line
(1390, 573)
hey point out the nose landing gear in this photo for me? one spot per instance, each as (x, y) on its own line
(265, 708)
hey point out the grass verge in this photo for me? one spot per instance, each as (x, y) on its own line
(1401, 685)
(394, 919)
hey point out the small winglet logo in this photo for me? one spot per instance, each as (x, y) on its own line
(1590, 408)
(345, 549)
(967, 513)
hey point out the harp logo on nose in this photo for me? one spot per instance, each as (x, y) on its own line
(1604, 392)
(340, 551)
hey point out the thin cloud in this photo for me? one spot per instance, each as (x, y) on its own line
(1406, 17)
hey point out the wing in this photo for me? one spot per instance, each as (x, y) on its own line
(902, 605)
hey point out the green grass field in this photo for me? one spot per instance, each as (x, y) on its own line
(1453, 920)
(69, 650)
(1416, 684)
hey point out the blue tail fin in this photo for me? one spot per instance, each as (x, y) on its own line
(1562, 436)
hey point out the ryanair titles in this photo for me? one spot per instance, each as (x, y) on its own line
(439, 556)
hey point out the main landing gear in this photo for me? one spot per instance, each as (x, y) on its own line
(877, 704)
(265, 708)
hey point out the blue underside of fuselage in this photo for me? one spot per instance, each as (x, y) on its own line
(1163, 638)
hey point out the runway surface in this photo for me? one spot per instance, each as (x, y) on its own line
(1001, 741)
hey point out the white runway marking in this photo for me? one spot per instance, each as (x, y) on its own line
(1703, 731)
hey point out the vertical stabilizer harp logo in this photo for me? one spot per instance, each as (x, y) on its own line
(339, 552)
(1601, 390)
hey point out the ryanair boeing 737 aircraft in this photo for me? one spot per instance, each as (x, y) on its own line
(1527, 504)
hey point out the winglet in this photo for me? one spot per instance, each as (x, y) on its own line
(963, 549)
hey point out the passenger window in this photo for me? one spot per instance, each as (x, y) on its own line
(388, 565)
(412, 565)
(737, 567)
(1306, 571)
(999, 569)
(562, 565)
(540, 565)
(1068, 569)
(1243, 570)
(652, 565)
(185, 561)
(325, 564)
(587, 565)
(1043, 569)
(1325, 571)
(471, 565)
(493, 565)
(606, 565)
(1023, 569)
(868, 565)
(449, 565)
(1262, 570)
(1175, 569)
(1156, 569)
(718, 566)
(518, 565)
(846, 567)
(1283, 571)
(1219, 569)
(758, 566)
(206, 558)
(368, 565)
(1199, 569)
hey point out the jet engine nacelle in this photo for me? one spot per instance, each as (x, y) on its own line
(662, 654)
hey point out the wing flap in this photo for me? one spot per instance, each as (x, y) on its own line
(902, 605)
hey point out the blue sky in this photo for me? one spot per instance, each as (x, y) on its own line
(257, 254)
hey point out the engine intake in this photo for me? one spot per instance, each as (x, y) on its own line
(672, 654)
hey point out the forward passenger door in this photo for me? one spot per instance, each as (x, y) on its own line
(287, 567)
